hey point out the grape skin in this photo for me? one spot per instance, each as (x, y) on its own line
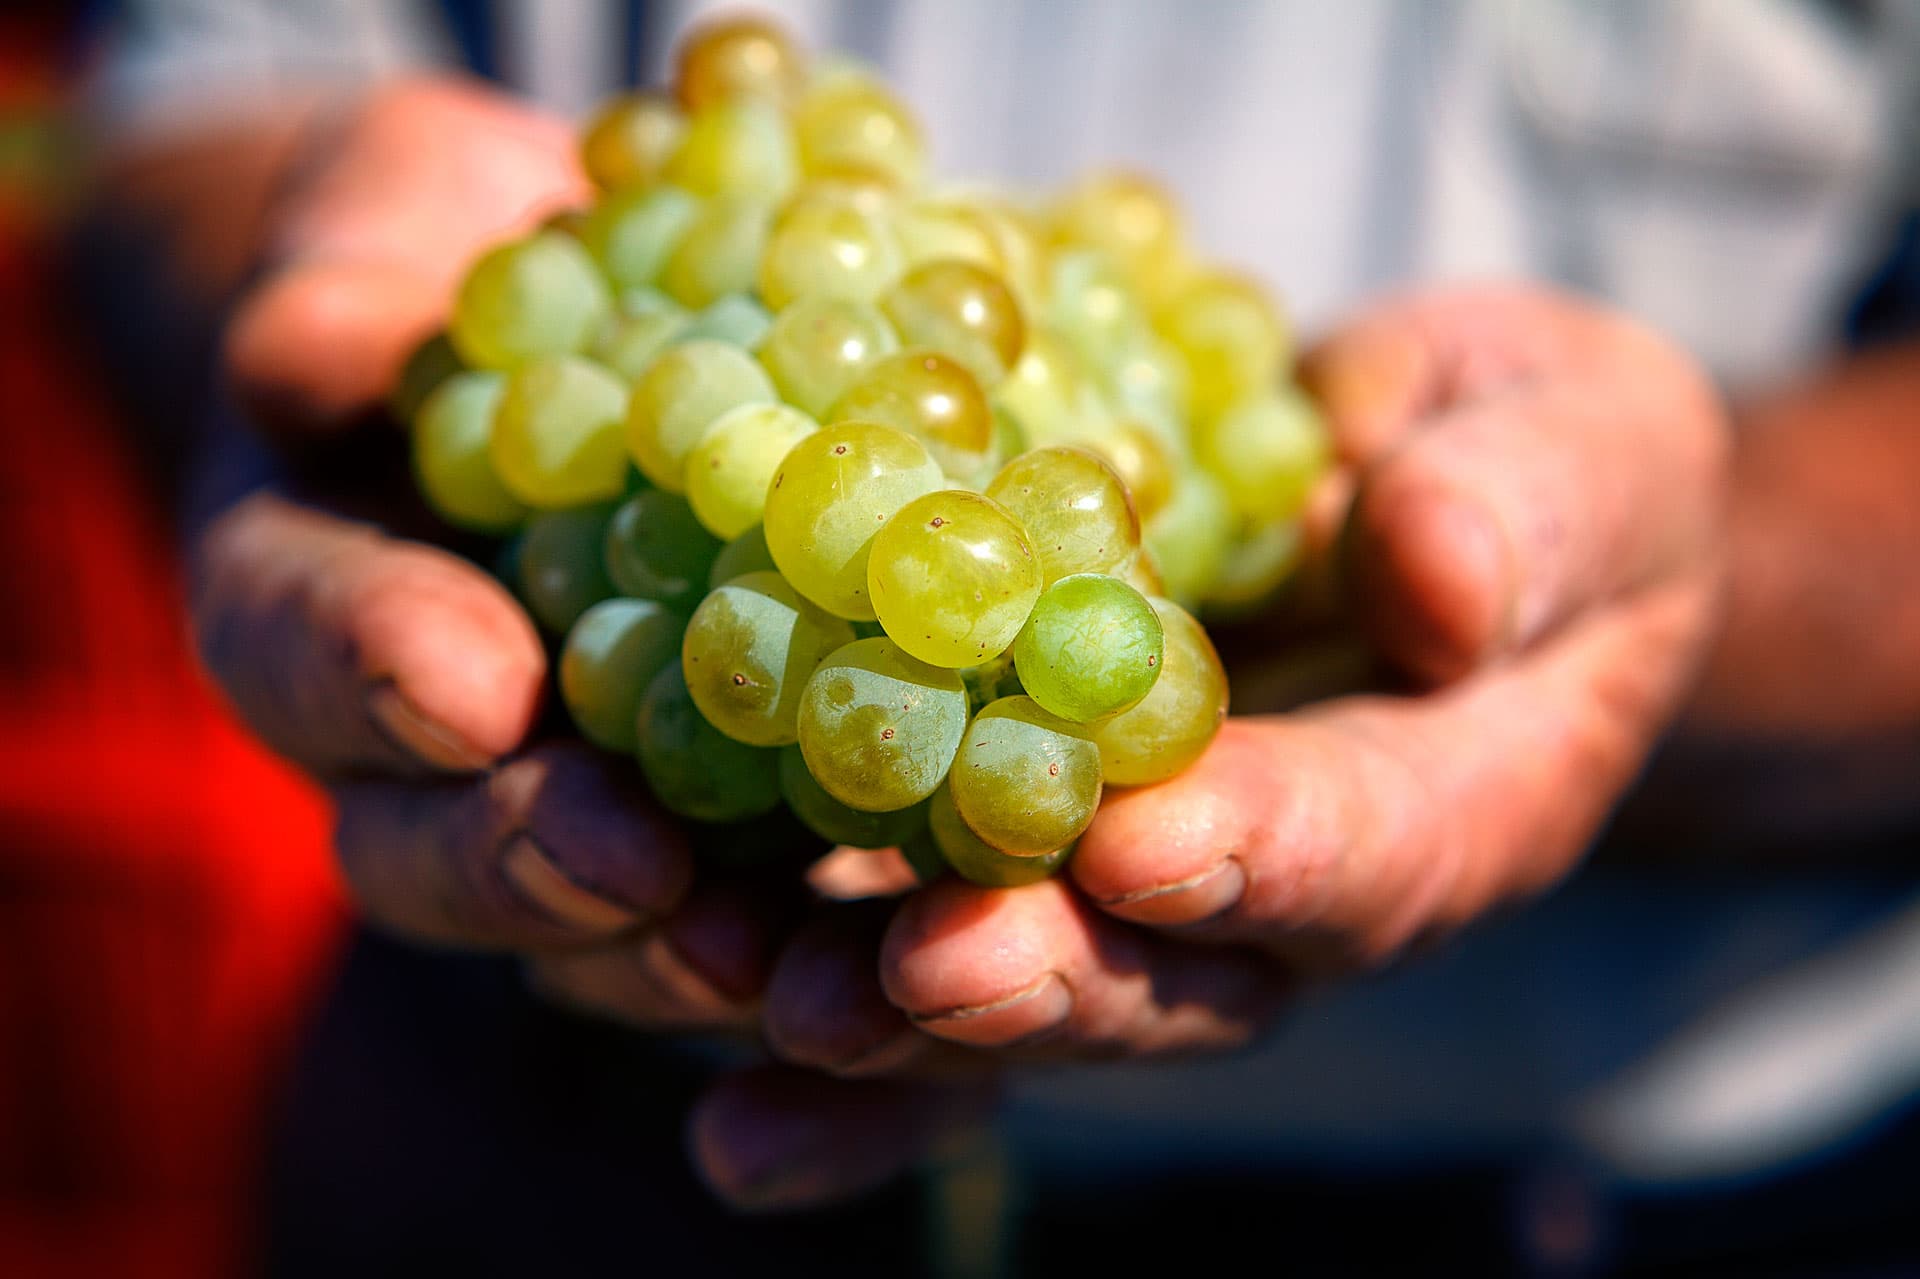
(539, 296)
(749, 651)
(611, 655)
(720, 252)
(633, 233)
(822, 249)
(1074, 508)
(1092, 648)
(930, 397)
(818, 347)
(738, 147)
(880, 728)
(694, 769)
(1173, 724)
(560, 568)
(656, 549)
(737, 57)
(629, 142)
(1267, 452)
(952, 578)
(832, 820)
(978, 862)
(684, 391)
(1191, 536)
(729, 470)
(556, 433)
(1025, 781)
(451, 436)
(747, 553)
(962, 310)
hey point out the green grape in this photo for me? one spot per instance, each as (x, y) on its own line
(923, 856)
(734, 57)
(747, 553)
(739, 147)
(720, 253)
(931, 230)
(831, 495)
(1255, 568)
(1191, 535)
(962, 310)
(611, 655)
(695, 769)
(432, 362)
(1234, 341)
(931, 398)
(729, 470)
(645, 299)
(1267, 452)
(1172, 725)
(878, 727)
(629, 142)
(450, 462)
(828, 249)
(631, 234)
(818, 347)
(1073, 507)
(556, 433)
(1151, 384)
(855, 125)
(1142, 460)
(1093, 307)
(978, 862)
(1092, 648)
(952, 578)
(539, 296)
(682, 393)
(832, 820)
(1050, 391)
(749, 650)
(656, 550)
(1130, 218)
(561, 571)
(736, 318)
(631, 343)
(1025, 781)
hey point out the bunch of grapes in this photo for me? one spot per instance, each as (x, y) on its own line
(888, 501)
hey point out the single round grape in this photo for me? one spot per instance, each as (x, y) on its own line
(1191, 536)
(543, 295)
(1092, 648)
(720, 252)
(1233, 339)
(818, 347)
(952, 577)
(611, 655)
(1151, 383)
(632, 234)
(931, 398)
(962, 310)
(749, 650)
(737, 319)
(695, 769)
(1130, 218)
(1267, 452)
(828, 250)
(850, 124)
(450, 462)
(747, 553)
(830, 819)
(631, 343)
(560, 566)
(1025, 781)
(683, 392)
(1074, 508)
(736, 56)
(978, 862)
(1257, 566)
(1173, 724)
(879, 727)
(630, 140)
(831, 495)
(729, 470)
(1016, 241)
(657, 550)
(1092, 306)
(741, 147)
(432, 362)
(556, 433)
(932, 230)
(1142, 460)
(1050, 390)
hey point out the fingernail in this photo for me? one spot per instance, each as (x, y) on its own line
(1027, 1014)
(419, 736)
(1194, 900)
(528, 868)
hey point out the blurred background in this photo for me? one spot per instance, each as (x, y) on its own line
(1701, 1056)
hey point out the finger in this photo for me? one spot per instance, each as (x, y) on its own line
(557, 848)
(345, 649)
(850, 874)
(778, 1138)
(825, 1005)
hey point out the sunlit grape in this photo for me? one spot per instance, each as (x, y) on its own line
(560, 567)
(655, 549)
(1092, 305)
(931, 398)
(962, 310)
(952, 577)
(683, 393)
(933, 230)
(850, 124)
(611, 655)
(630, 141)
(556, 432)
(1173, 724)
(1151, 384)
(749, 650)
(1267, 452)
(1073, 507)
(832, 820)
(450, 461)
(631, 234)
(729, 470)
(1128, 217)
(1050, 391)
(1191, 536)
(693, 768)
(828, 250)
(1091, 649)
(736, 56)
(1025, 781)
(720, 252)
(737, 319)
(878, 727)
(631, 343)
(747, 553)
(977, 862)
(818, 347)
(1142, 460)
(1234, 341)
(539, 296)
(739, 147)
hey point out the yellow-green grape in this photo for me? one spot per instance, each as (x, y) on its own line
(737, 56)
(1257, 566)
(682, 393)
(878, 727)
(1142, 573)
(1173, 724)
(739, 147)
(832, 820)
(556, 433)
(1267, 453)
(978, 862)
(560, 567)
(1234, 341)
(729, 470)
(1024, 780)
(450, 462)
(952, 577)
(1074, 508)
(849, 124)
(818, 347)
(432, 362)
(656, 550)
(736, 319)
(1151, 384)
(632, 233)
(611, 655)
(828, 250)
(630, 141)
(720, 252)
(543, 295)
(1142, 460)
(749, 650)
(1050, 391)
(934, 229)
(962, 310)
(747, 553)
(1191, 536)
(693, 768)
(931, 398)
(1092, 306)
(1023, 256)
(1091, 649)
(631, 343)
(831, 495)
(1130, 218)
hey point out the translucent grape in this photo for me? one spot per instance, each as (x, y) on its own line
(737, 319)
(1049, 390)
(749, 650)
(741, 147)
(818, 347)
(1151, 384)
(1142, 460)
(1174, 723)
(1073, 507)
(963, 311)
(611, 655)
(629, 142)
(432, 362)
(932, 229)
(747, 553)
(656, 550)
(720, 252)
(878, 727)
(695, 769)
(978, 862)
(1025, 781)
(931, 398)
(1018, 247)
(632, 233)
(1267, 452)
(1232, 337)
(631, 343)
(450, 462)
(556, 433)
(736, 57)
(952, 577)
(854, 124)
(1255, 568)
(832, 820)
(683, 393)
(828, 249)
(539, 296)
(729, 470)
(1092, 648)
(560, 566)
(831, 495)
(1092, 306)
(1191, 535)
(1130, 218)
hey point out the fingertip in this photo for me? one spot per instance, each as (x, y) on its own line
(982, 965)
(825, 1005)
